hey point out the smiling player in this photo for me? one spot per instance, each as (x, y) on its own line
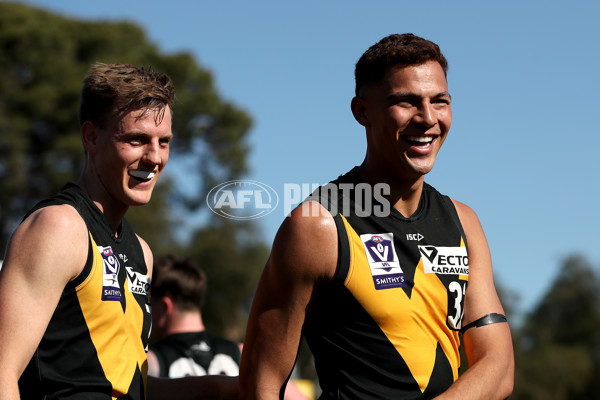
(67, 310)
(382, 299)
(74, 289)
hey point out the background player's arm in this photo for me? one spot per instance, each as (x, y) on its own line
(488, 348)
(153, 364)
(304, 253)
(46, 251)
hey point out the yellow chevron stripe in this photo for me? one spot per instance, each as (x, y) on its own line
(115, 335)
(413, 325)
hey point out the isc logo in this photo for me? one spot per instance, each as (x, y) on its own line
(414, 236)
(242, 199)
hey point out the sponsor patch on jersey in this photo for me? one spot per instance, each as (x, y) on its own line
(137, 283)
(445, 260)
(383, 261)
(110, 275)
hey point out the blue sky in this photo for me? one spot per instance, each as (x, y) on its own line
(523, 148)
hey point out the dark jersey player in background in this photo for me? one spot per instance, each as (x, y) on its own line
(183, 346)
(379, 270)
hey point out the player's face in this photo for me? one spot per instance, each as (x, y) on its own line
(407, 116)
(131, 154)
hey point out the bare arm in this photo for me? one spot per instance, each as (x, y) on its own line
(304, 253)
(153, 364)
(489, 348)
(47, 251)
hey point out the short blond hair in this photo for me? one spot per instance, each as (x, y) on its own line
(117, 89)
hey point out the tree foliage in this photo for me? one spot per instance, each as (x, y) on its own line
(557, 350)
(43, 59)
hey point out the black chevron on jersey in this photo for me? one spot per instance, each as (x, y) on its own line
(388, 326)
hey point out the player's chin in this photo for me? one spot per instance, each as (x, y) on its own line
(139, 198)
(422, 165)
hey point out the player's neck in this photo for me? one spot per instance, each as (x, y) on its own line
(189, 321)
(405, 193)
(113, 211)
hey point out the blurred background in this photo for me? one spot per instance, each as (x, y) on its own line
(263, 94)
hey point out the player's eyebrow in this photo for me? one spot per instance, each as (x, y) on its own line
(403, 96)
(441, 95)
(409, 96)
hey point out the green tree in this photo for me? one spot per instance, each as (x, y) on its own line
(229, 277)
(558, 348)
(43, 59)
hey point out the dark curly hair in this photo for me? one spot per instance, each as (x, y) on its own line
(400, 50)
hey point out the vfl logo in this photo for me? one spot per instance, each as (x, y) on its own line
(137, 283)
(383, 261)
(445, 260)
(379, 250)
(110, 275)
(242, 199)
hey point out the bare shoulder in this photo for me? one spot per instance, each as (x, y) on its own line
(46, 251)
(473, 230)
(481, 293)
(62, 220)
(465, 213)
(307, 242)
(148, 257)
(51, 234)
(470, 223)
(304, 254)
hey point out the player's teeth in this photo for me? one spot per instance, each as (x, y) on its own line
(142, 174)
(422, 139)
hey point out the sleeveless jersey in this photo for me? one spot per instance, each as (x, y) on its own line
(96, 342)
(196, 354)
(388, 325)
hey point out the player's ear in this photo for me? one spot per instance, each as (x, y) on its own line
(168, 304)
(89, 136)
(359, 110)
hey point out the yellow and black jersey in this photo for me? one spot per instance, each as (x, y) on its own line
(388, 326)
(95, 346)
